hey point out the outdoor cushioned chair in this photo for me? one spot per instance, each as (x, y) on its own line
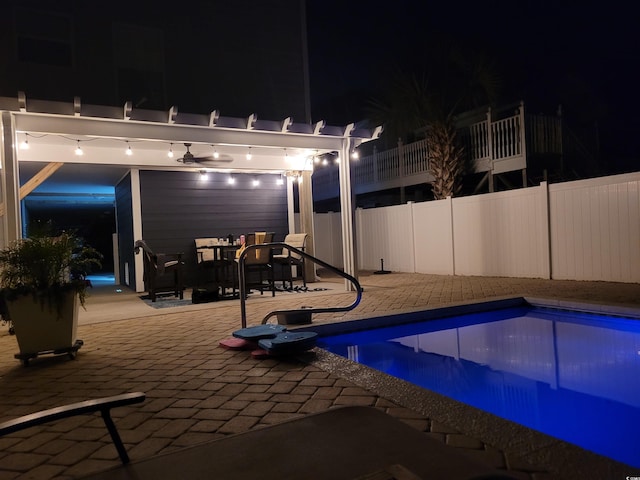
(258, 263)
(288, 259)
(162, 271)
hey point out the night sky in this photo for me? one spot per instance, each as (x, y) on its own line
(585, 56)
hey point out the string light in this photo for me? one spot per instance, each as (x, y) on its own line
(256, 182)
(249, 156)
(231, 180)
(25, 143)
(78, 150)
(280, 180)
(215, 153)
(129, 152)
(203, 175)
(170, 152)
(355, 155)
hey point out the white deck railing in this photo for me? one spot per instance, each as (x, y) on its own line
(409, 164)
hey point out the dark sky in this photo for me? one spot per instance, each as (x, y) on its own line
(585, 56)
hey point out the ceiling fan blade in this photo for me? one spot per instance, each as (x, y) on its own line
(222, 158)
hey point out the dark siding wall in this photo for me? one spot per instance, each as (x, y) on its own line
(124, 225)
(178, 207)
(237, 57)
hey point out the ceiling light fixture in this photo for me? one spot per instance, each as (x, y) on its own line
(78, 150)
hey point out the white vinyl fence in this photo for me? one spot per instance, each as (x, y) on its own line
(583, 230)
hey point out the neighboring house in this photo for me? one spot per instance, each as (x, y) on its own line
(503, 148)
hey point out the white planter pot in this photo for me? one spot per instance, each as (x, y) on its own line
(41, 329)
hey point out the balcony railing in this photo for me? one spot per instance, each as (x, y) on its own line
(500, 151)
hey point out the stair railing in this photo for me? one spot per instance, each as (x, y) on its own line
(306, 256)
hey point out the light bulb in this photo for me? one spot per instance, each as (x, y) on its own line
(256, 182)
(170, 152)
(249, 156)
(129, 151)
(25, 144)
(78, 149)
(231, 180)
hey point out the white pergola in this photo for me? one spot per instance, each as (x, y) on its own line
(55, 129)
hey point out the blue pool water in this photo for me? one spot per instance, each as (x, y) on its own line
(574, 376)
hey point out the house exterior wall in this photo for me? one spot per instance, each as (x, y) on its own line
(178, 207)
(237, 57)
(124, 226)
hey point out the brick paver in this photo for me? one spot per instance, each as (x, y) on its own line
(197, 391)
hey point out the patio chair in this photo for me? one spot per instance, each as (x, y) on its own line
(258, 264)
(288, 260)
(163, 272)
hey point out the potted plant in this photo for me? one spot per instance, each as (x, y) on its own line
(43, 281)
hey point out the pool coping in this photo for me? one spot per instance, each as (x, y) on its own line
(541, 451)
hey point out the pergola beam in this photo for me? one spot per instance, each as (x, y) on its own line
(35, 181)
(130, 129)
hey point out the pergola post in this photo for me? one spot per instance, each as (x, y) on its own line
(346, 213)
(10, 181)
(306, 220)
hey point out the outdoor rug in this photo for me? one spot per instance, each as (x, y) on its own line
(168, 300)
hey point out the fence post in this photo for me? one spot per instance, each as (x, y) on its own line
(547, 266)
(452, 252)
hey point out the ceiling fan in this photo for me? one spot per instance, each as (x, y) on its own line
(189, 158)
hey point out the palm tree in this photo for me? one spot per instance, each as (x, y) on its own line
(426, 104)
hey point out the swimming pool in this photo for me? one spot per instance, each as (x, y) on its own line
(572, 375)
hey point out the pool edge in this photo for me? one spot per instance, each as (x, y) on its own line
(562, 459)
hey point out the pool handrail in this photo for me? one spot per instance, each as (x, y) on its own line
(305, 255)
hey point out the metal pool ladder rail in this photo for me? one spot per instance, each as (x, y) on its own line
(295, 313)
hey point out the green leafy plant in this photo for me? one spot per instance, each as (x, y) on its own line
(47, 267)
